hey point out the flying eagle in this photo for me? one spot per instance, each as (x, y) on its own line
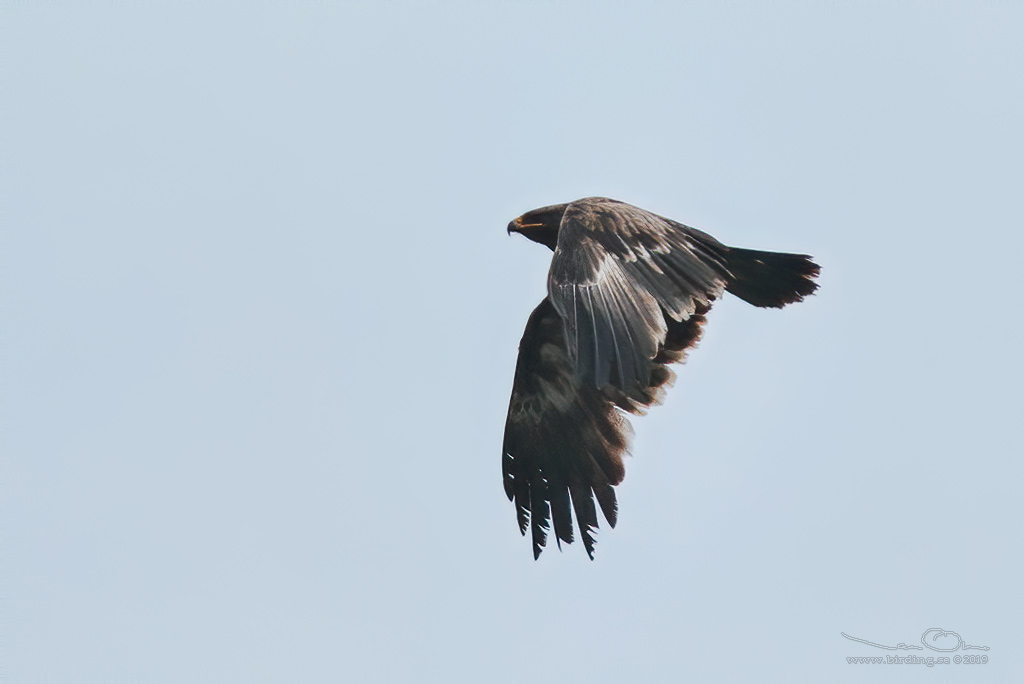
(628, 292)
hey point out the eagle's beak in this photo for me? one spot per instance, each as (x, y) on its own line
(517, 225)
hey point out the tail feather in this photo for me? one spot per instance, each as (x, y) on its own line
(771, 278)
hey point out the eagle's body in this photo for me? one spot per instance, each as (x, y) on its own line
(627, 294)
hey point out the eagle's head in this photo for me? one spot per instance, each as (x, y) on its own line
(540, 225)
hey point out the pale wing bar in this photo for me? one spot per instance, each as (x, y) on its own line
(616, 267)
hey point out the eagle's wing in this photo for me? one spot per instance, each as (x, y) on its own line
(565, 439)
(616, 268)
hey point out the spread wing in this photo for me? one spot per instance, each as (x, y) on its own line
(565, 439)
(615, 270)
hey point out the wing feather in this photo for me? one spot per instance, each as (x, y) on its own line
(586, 515)
(565, 440)
(616, 271)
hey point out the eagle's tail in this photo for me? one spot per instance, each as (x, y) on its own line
(771, 278)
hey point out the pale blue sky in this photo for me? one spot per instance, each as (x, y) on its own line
(261, 318)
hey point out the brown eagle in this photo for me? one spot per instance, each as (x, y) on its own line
(627, 294)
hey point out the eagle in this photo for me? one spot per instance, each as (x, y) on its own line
(628, 293)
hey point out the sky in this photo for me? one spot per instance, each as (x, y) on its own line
(261, 315)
